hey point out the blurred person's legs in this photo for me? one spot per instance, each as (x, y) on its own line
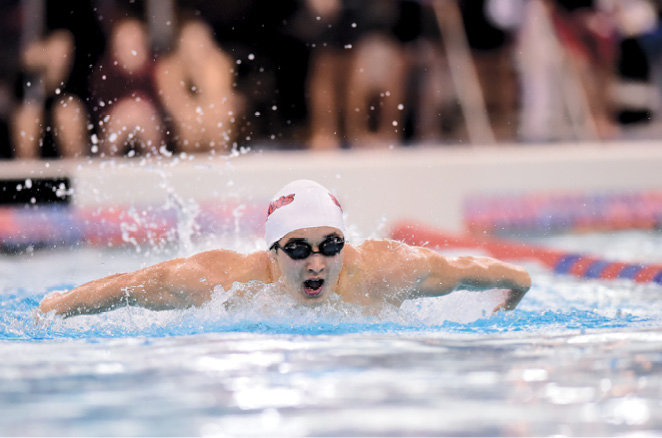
(597, 81)
(70, 122)
(499, 85)
(196, 88)
(539, 71)
(436, 106)
(27, 130)
(373, 110)
(204, 129)
(132, 122)
(218, 125)
(326, 89)
(541, 110)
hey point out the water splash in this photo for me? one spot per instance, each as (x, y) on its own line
(264, 309)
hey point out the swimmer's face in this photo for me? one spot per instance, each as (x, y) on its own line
(314, 276)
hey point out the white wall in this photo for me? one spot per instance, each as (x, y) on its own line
(424, 183)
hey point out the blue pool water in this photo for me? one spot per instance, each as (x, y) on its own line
(576, 358)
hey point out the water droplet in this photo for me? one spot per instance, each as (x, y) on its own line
(401, 107)
(134, 53)
(348, 46)
(58, 91)
(251, 56)
(395, 123)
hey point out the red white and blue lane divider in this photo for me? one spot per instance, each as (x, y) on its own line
(57, 225)
(544, 213)
(560, 262)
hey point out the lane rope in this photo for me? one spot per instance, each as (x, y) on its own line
(560, 262)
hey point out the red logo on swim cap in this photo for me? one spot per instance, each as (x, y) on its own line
(335, 201)
(278, 203)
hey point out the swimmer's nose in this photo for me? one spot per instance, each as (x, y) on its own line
(316, 263)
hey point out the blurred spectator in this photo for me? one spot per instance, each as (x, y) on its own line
(587, 31)
(357, 74)
(123, 97)
(376, 88)
(6, 107)
(270, 60)
(51, 119)
(49, 112)
(431, 112)
(491, 37)
(639, 91)
(195, 84)
(567, 55)
(9, 35)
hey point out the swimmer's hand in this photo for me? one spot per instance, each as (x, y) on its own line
(514, 296)
(49, 303)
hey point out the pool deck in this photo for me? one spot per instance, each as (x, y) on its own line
(376, 187)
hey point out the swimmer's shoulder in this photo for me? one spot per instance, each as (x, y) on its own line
(374, 248)
(390, 255)
(244, 267)
(381, 253)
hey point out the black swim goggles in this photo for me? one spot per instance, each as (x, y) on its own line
(299, 250)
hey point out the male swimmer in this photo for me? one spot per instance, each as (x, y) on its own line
(308, 259)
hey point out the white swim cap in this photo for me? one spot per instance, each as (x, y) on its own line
(302, 204)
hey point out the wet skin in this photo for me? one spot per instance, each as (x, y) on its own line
(372, 274)
(315, 275)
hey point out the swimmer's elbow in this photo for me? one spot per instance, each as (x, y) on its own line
(167, 299)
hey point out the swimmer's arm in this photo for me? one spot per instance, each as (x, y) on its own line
(149, 288)
(443, 275)
(178, 283)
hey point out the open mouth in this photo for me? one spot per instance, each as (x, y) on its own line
(313, 287)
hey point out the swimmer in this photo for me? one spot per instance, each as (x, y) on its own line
(308, 259)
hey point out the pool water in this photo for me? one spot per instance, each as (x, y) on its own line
(576, 357)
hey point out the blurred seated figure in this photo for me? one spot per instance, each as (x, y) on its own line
(437, 114)
(357, 74)
(196, 86)
(566, 58)
(375, 94)
(124, 100)
(49, 116)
